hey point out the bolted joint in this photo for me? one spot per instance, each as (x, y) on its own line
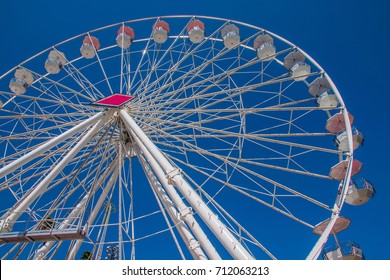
(171, 175)
(194, 244)
(183, 213)
(5, 226)
(40, 253)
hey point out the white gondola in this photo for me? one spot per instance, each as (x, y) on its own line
(300, 70)
(125, 37)
(326, 100)
(343, 251)
(161, 32)
(89, 47)
(87, 51)
(22, 80)
(341, 140)
(231, 36)
(55, 62)
(195, 30)
(264, 46)
(319, 86)
(359, 192)
(295, 62)
(18, 86)
(123, 40)
(321, 89)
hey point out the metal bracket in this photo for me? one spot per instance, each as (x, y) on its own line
(194, 245)
(171, 174)
(183, 213)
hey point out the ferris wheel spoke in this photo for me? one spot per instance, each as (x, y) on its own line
(156, 65)
(36, 132)
(87, 86)
(50, 144)
(122, 61)
(11, 216)
(137, 72)
(238, 111)
(46, 116)
(44, 85)
(231, 93)
(99, 150)
(178, 63)
(212, 77)
(231, 134)
(36, 167)
(245, 193)
(126, 76)
(101, 66)
(203, 152)
(235, 164)
(229, 219)
(192, 147)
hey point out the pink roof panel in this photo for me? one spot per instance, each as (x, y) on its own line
(339, 171)
(127, 30)
(195, 23)
(93, 41)
(336, 123)
(116, 100)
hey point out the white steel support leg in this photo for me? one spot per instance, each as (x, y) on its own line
(185, 211)
(8, 220)
(193, 245)
(48, 145)
(232, 245)
(111, 182)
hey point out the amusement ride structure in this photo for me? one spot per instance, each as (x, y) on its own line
(176, 137)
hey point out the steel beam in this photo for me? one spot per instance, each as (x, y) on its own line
(48, 145)
(12, 215)
(174, 176)
(176, 216)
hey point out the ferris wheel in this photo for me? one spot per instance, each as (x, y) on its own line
(175, 137)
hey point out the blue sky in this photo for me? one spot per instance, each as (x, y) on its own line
(349, 39)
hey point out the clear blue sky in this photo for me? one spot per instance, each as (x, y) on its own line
(349, 39)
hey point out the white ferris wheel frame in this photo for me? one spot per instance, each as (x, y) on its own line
(166, 176)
